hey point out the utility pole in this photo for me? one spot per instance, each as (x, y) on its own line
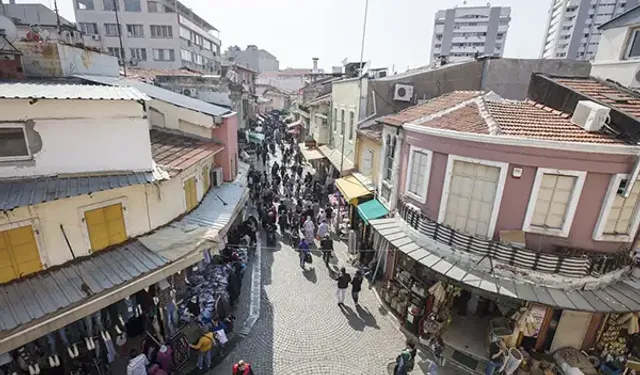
(364, 31)
(122, 53)
(55, 8)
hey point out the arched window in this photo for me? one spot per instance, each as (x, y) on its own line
(351, 120)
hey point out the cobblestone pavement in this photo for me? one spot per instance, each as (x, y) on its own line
(301, 329)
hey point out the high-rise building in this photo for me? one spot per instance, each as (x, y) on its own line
(572, 29)
(253, 57)
(155, 34)
(461, 33)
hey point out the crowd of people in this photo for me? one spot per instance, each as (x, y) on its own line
(300, 206)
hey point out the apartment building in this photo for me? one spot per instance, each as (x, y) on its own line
(572, 29)
(253, 57)
(155, 34)
(461, 33)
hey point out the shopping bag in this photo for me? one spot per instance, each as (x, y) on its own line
(221, 336)
(307, 258)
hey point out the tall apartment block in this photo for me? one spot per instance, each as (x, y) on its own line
(461, 33)
(572, 29)
(155, 34)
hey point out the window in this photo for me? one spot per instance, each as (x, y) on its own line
(390, 151)
(185, 55)
(367, 162)
(163, 54)
(342, 122)
(351, 120)
(88, 28)
(633, 46)
(105, 226)
(190, 193)
(185, 33)
(335, 119)
(619, 216)
(111, 29)
(553, 201)
(208, 45)
(132, 5)
(19, 255)
(206, 179)
(161, 31)
(418, 173)
(135, 31)
(139, 54)
(117, 52)
(110, 5)
(84, 4)
(153, 7)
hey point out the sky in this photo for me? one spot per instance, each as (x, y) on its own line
(398, 32)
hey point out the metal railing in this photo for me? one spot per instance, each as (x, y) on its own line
(564, 261)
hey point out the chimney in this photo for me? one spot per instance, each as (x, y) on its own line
(315, 64)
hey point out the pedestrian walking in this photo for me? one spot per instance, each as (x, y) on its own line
(323, 229)
(356, 286)
(303, 249)
(204, 346)
(406, 360)
(309, 230)
(242, 368)
(343, 284)
(326, 244)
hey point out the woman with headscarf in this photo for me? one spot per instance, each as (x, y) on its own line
(309, 230)
(322, 216)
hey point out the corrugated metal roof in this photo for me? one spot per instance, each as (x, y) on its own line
(214, 214)
(29, 191)
(61, 287)
(161, 94)
(620, 296)
(68, 91)
(177, 152)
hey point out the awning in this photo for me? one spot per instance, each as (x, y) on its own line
(336, 159)
(351, 188)
(618, 296)
(203, 226)
(293, 124)
(257, 138)
(310, 153)
(371, 210)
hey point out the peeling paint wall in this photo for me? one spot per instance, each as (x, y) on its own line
(61, 60)
(78, 136)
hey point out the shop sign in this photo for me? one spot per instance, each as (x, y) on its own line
(537, 313)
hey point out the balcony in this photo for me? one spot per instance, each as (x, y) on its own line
(564, 261)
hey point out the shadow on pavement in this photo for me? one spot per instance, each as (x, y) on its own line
(310, 275)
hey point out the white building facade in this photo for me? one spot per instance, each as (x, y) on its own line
(572, 28)
(155, 34)
(463, 32)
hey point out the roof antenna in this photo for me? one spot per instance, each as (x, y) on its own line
(55, 7)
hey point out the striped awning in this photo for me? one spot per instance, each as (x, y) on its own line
(620, 296)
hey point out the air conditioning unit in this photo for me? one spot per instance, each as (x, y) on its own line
(403, 93)
(190, 92)
(216, 176)
(95, 37)
(65, 37)
(77, 37)
(590, 116)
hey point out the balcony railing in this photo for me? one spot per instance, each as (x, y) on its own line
(568, 262)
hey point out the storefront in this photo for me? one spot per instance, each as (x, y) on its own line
(457, 303)
(369, 210)
(139, 297)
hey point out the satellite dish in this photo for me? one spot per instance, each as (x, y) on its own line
(365, 68)
(8, 32)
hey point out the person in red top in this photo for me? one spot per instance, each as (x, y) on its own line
(242, 368)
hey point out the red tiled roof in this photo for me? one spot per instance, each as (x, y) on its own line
(430, 107)
(466, 119)
(517, 119)
(532, 120)
(373, 132)
(608, 93)
(178, 152)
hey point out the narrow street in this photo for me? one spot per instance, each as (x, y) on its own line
(301, 330)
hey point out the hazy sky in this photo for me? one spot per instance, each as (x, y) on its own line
(398, 32)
